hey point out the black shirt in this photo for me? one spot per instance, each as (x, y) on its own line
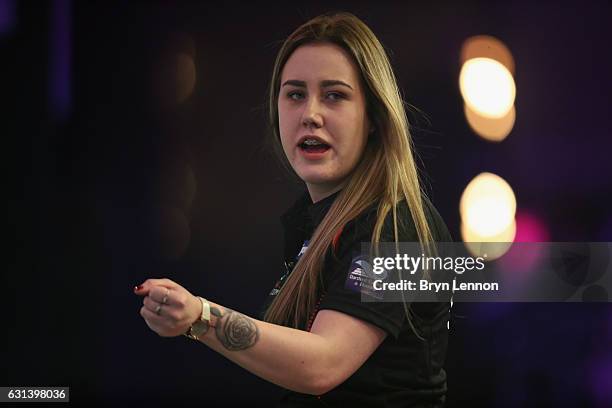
(403, 371)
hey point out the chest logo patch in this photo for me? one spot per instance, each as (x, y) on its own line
(360, 278)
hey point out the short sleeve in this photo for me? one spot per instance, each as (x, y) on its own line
(344, 272)
(386, 315)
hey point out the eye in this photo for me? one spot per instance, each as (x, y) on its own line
(295, 95)
(335, 96)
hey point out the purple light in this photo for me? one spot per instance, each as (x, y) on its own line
(8, 16)
(601, 380)
(521, 260)
(491, 312)
(530, 228)
(60, 49)
(605, 234)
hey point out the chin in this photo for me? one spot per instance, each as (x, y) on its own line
(317, 178)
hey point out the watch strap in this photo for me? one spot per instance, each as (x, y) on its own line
(205, 310)
(204, 317)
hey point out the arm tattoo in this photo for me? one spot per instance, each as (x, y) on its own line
(234, 330)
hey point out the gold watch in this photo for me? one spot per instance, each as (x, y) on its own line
(200, 326)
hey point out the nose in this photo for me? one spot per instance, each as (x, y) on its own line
(312, 116)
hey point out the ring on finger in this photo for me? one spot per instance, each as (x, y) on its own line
(165, 298)
(158, 309)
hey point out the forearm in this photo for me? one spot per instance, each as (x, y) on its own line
(291, 358)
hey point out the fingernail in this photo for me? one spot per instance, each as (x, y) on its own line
(137, 288)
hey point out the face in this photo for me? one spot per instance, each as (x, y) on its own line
(322, 116)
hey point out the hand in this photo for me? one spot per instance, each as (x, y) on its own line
(168, 308)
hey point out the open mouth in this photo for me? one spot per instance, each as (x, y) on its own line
(313, 146)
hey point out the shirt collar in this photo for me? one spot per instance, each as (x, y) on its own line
(318, 210)
(306, 213)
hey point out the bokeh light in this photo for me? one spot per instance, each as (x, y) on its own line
(486, 46)
(487, 206)
(185, 76)
(174, 74)
(530, 228)
(174, 232)
(523, 259)
(493, 246)
(178, 186)
(491, 129)
(487, 87)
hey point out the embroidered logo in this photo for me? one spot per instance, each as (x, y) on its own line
(360, 278)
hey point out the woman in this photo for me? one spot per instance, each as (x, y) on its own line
(338, 118)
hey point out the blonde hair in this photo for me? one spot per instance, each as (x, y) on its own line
(385, 175)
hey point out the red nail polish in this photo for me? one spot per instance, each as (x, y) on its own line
(137, 288)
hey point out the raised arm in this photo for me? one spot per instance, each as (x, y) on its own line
(308, 362)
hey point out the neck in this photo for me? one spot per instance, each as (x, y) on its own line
(319, 192)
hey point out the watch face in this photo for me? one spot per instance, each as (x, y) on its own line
(199, 328)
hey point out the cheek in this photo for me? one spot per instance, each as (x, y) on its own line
(361, 130)
(355, 136)
(285, 141)
(282, 128)
(357, 149)
(288, 126)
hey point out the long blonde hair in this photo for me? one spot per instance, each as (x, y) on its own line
(385, 175)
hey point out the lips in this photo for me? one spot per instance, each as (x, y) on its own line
(313, 144)
(313, 147)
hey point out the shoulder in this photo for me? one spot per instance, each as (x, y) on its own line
(438, 227)
(343, 276)
(361, 228)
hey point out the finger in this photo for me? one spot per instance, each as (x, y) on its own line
(161, 294)
(167, 283)
(140, 290)
(160, 325)
(154, 321)
(153, 306)
(144, 288)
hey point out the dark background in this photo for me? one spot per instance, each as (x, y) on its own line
(98, 190)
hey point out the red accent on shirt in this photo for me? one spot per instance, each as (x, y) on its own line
(336, 238)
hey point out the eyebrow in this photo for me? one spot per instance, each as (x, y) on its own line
(324, 84)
